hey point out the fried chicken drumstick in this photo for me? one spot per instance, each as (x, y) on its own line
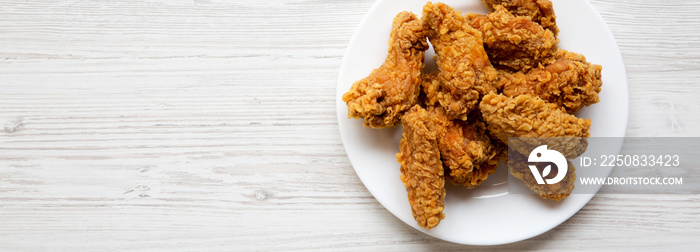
(513, 42)
(465, 149)
(570, 82)
(421, 168)
(534, 122)
(382, 97)
(540, 11)
(529, 116)
(519, 168)
(465, 71)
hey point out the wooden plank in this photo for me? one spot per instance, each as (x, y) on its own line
(211, 125)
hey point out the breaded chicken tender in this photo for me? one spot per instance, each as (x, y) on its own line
(540, 11)
(513, 42)
(421, 169)
(518, 166)
(570, 82)
(465, 71)
(382, 97)
(534, 122)
(465, 148)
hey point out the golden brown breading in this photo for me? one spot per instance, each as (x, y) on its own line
(570, 82)
(465, 148)
(421, 169)
(465, 71)
(513, 42)
(540, 11)
(501, 148)
(474, 131)
(474, 178)
(528, 116)
(432, 89)
(393, 88)
(535, 122)
(518, 167)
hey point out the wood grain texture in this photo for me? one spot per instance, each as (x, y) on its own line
(211, 125)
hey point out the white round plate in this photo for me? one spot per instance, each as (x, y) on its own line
(487, 215)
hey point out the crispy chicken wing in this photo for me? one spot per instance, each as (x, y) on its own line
(570, 82)
(421, 169)
(465, 71)
(465, 148)
(393, 88)
(540, 11)
(534, 122)
(514, 42)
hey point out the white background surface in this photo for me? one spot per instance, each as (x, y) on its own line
(211, 125)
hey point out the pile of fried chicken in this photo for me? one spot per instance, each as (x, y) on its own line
(499, 75)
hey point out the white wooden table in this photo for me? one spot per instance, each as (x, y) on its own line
(211, 125)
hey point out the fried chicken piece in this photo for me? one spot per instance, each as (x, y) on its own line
(474, 131)
(517, 43)
(540, 11)
(570, 82)
(534, 122)
(393, 88)
(518, 166)
(421, 169)
(465, 149)
(501, 148)
(529, 116)
(474, 178)
(431, 89)
(438, 95)
(465, 72)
